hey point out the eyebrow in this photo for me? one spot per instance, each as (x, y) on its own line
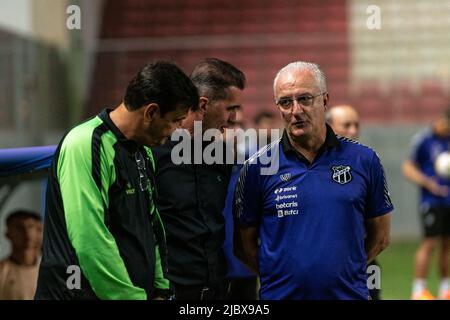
(300, 95)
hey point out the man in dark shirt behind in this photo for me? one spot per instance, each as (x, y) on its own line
(192, 195)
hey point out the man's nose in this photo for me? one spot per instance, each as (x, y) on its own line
(232, 117)
(297, 108)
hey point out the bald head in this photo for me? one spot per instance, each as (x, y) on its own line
(344, 120)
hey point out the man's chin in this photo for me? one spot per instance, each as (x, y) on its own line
(297, 131)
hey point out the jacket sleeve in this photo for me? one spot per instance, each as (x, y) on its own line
(84, 176)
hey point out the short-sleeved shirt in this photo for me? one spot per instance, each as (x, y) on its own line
(311, 218)
(426, 147)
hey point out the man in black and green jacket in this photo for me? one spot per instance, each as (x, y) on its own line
(103, 237)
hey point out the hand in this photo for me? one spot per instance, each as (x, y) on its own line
(159, 298)
(436, 189)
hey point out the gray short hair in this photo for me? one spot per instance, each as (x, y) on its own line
(302, 65)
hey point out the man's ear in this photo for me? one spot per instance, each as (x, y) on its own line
(202, 105)
(150, 111)
(326, 98)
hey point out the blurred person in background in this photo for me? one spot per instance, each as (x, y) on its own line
(192, 195)
(344, 120)
(19, 272)
(434, 205)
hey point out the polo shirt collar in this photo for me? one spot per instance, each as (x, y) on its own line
(331, 141)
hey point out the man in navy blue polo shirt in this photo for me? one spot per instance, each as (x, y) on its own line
(310, 228)
(434, 205)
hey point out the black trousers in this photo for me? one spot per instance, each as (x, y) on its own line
(216, 291)
(243, 289)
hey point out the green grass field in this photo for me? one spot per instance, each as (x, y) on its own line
(397, 271)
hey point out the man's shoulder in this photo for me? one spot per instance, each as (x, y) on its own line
(422, 137)
(358, 152)
(81, 134)
(265, 151)
(354, 146)
(263, 160)
(162, 155)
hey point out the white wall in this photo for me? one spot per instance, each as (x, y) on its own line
(15, 16)
(412, 43)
